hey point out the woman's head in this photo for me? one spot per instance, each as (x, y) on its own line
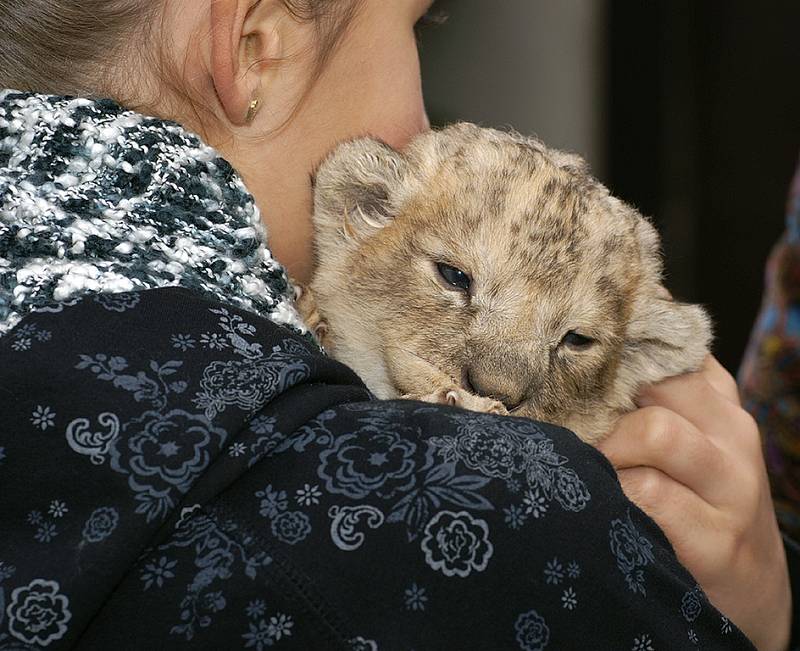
(319, 71)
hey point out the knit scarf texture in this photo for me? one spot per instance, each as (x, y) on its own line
(97, 199)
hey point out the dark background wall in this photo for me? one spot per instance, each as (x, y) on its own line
(688, 109)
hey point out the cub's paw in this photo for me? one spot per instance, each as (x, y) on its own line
(458, 397)
(307, 307)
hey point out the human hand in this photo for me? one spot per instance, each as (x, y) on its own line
(691, 458)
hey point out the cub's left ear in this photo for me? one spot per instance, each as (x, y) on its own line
(358, 189)
(664, 338)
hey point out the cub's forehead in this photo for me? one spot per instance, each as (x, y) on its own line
(513, 189)
(525, 221)
(477, 156)
(515, 208)
(492, 170)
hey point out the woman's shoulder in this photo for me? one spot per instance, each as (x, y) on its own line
(119, 411)
(182, 470)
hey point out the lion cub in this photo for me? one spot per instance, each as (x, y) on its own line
(482, 269)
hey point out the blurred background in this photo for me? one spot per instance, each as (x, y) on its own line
(687, 109)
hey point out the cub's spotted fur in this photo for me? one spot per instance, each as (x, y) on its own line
(484, 269)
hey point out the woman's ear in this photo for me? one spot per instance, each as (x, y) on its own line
(246, 36)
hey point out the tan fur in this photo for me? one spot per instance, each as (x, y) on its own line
(548, 250)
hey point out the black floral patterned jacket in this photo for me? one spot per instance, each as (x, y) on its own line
(181, 467)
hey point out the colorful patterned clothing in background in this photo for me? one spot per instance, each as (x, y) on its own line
(769, 379)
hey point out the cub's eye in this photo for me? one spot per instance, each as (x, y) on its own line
(577, 341)
(454, 277)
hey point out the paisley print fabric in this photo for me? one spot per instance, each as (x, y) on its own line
(148, 504)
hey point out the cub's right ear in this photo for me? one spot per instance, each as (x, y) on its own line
(358, 188)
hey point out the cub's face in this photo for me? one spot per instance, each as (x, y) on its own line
(501, 264)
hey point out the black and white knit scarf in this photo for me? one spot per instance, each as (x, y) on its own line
(98, 199)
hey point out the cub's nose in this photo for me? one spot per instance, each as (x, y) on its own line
(496, 386)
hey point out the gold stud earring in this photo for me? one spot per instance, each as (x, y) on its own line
(252, 110)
